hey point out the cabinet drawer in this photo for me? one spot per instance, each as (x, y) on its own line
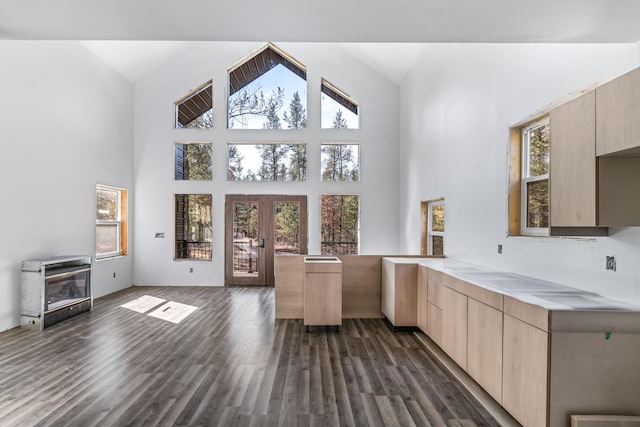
(528, 313)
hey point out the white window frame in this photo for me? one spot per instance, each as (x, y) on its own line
(526, 179)
(118, 221)
(430, 232)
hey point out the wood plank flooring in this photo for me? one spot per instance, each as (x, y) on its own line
(227, 364)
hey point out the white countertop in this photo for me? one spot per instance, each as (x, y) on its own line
(549, 295)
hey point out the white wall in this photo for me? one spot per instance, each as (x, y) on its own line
(66, 123)
(155, 186)
(457, 105)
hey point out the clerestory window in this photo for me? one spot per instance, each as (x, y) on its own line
(339, 111)
(195, 109)
(267, 90)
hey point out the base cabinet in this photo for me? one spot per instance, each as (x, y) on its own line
(322, 291)
(454, 325)
(399, 291)
(484, 347)
(525, 372)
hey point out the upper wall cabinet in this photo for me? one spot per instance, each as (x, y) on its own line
(618, 114)
(572, 170)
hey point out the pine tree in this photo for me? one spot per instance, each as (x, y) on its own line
(273, 156)
(197, 159)
(273, 121)
(337, 162)
(297, 119)
(339, 122)
(298, 159)
(234, 169)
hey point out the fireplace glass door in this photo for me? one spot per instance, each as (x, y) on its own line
(66, 287)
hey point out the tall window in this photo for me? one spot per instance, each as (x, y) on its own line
(193, 161)
(193, 226)
(195, 110)
(111, 221)
(339, 224)
(433, 227)
(535, 179)
(267, 90)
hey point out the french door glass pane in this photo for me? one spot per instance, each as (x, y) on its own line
(245, 239)
(538, 204)
(287, 228)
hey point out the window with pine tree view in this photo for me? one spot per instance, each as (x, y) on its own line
(535, 178)
(193, 161)
(340, 162)
(267, 162)
(339, 229)
(193, 225)
(268, 91)
(195, 110)
(338, 110)
(111, 221)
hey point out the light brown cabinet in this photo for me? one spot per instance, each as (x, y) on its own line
(617, 113)
(484, 347)
(423, 303)
(572, 171)
(541, 365)
(454, 325)
(322, 291)
(433, 327)
(525, 372)
(399, 291)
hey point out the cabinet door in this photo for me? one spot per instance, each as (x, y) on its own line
(525, 372)
(434, 324)
(617, 112)
(434, 291)
(484, 347)
(454, 325)
(422, 299)
(572, 171)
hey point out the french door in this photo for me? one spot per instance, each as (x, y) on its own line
(258, 227)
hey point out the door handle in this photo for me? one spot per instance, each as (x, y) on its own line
(261, 244)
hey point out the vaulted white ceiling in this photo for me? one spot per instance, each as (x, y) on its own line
(352, 21)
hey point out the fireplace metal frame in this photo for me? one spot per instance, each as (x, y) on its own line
(35, 273)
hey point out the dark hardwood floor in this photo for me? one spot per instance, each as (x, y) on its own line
(227, 364)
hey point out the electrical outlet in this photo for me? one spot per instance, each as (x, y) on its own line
(114, 275)
(610, 263)
(191, 270)
(499, 249)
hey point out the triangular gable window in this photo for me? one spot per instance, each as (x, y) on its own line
(195, 110)
(267, 90)
(339, 111)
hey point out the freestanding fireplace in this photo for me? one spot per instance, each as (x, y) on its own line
(54, 289)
